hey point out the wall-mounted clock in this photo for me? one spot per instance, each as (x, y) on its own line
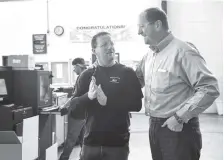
(58, 30)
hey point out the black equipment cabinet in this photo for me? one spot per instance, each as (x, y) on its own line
(11, 118)
(27, 88)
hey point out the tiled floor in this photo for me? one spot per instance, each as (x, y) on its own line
(212, 134)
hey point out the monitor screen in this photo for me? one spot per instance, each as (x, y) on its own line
(3, 89)
(44, 90)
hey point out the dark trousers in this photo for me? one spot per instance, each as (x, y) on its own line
(168, 145)
(104, 153)
(74, 129)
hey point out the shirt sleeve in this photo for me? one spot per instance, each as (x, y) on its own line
(140, 71)
(80, 97)
(132, 97)
(205, 85)
(75, 86)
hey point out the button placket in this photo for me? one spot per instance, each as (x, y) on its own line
(151, 77)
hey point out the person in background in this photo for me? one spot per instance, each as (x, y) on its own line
(75, 120)
(107, 92)
(178, 87)
(78, 67)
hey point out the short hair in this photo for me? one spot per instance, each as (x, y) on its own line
(78, 61)
(94, 42)
(155, 14)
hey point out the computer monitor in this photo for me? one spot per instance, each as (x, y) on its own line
(3, 89)
(45, 92)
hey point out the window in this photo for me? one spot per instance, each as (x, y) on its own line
(60, 72)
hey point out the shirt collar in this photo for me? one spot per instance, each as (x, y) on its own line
(162, 44)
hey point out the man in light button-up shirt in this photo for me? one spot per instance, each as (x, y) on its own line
(178, 87)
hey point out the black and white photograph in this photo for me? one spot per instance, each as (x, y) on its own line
(111, 80)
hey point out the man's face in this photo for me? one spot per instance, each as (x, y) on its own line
(104, 51)
(147, 30)
(77, 69)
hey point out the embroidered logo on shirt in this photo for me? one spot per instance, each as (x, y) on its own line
(114, 79)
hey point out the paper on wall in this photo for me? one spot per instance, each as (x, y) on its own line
(30, 128)
(59, 71)
(52, 152)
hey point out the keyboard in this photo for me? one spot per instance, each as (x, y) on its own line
(50, 108)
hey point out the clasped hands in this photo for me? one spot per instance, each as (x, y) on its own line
(96, 92)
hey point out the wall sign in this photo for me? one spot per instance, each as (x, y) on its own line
(39, 43)
(84, 34)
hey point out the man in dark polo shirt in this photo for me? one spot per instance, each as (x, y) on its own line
(107, 92)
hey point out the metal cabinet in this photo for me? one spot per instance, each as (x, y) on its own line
(60, 129)
(52, 129)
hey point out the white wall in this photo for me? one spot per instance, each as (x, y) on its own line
(201, 23)
(19, 20)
